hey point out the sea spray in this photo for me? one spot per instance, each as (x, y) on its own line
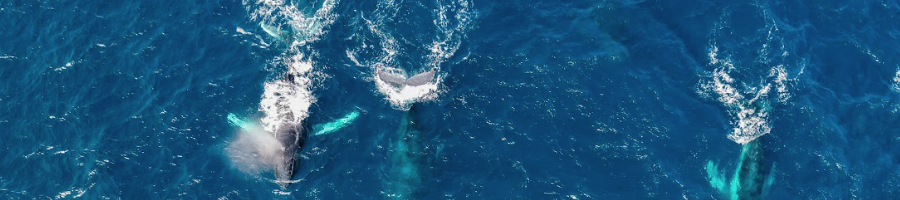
(253, 150)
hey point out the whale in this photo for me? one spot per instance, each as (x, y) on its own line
(406, 154)
(284, 145)
(752, 177)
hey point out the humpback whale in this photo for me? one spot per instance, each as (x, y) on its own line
(751, 179)
(279, 150)
(406, 152)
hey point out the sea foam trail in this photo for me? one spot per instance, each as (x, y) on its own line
(286, 99)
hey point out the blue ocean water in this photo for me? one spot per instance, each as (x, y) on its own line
(531, 100)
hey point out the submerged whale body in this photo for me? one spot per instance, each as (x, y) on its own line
(751, 179)
(408, 159)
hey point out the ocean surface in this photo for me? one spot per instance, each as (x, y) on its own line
(570, 99)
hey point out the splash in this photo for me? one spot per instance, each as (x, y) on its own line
(295, 23)
(402, 96)
(287, 101)
(750, 105)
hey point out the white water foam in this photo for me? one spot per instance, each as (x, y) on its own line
(305, 24)
(254, 150)
(286, 99)
(749, 105)
(896, 83)
(750, 101)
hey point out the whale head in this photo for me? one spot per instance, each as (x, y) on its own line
(291, 138)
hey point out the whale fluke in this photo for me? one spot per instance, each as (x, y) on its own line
(421, 78)
(395, 80)
(399, 80)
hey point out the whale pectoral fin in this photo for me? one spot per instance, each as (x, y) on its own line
(330, 127)
(277, 33)
(421, 78)
(716, 180)
(271, 30)
(237, 121)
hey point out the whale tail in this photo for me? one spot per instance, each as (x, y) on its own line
(397, 79)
